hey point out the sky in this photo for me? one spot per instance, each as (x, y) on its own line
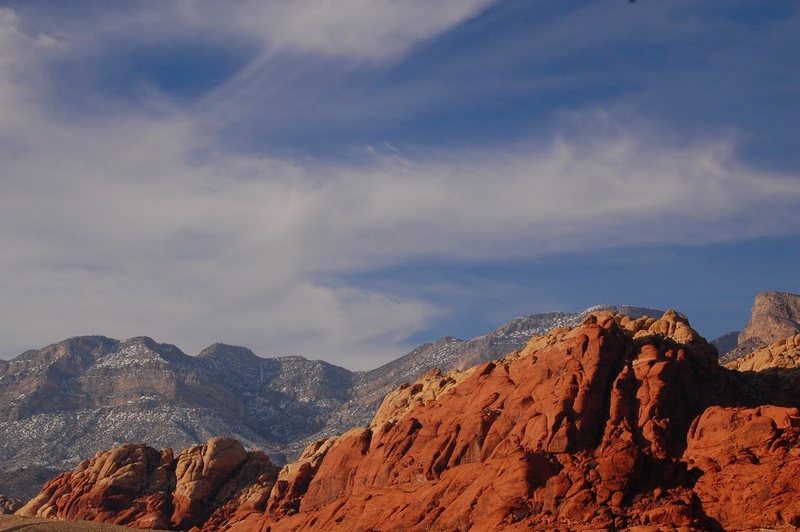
(347, 179)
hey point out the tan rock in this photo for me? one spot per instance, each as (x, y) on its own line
(428, 387)
(775, 315)
(780, 354)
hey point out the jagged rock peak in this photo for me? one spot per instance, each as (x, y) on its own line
(775, 316)
(222, 351)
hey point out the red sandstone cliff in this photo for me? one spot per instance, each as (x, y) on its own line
(615, 423)
(138, 486)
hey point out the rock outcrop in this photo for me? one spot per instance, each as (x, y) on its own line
(616, 423)
(138, 486)
(781, 354)
(750, 463)
(9, 505)
(427, 388)
(774, 316)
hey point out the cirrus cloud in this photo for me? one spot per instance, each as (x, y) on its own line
(144, 223)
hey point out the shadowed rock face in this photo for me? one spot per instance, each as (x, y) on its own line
(9, 505)
(616, 423)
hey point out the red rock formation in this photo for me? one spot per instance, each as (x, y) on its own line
(615, 423)
(750, 459)
(585, 428)
(138, 486)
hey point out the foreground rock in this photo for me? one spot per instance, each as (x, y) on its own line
(137, 486)
(616, 423)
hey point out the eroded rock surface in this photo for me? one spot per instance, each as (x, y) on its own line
(584, 428)
(781, 354)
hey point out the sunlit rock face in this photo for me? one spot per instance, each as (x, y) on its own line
(617, 422)
(774, 317)
(138, 486)
(69, 400)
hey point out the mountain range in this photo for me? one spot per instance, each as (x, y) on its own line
(64, 402)
(615, 423)
(68, 400)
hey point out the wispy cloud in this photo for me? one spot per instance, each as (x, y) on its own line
(143, 222)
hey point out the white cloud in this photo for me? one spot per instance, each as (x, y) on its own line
(364, 29)
(143, 225)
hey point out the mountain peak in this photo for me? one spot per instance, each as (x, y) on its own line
(775, 316)
(220, 351)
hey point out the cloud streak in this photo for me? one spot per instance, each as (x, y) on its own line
(142, 223)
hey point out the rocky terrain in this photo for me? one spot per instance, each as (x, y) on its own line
(614, 423)
(9, 505)
(774, 316)
(448, 353)
(726, 343)
(68, 400)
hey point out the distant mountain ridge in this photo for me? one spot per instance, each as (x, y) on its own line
(64, 402)
(775, 316)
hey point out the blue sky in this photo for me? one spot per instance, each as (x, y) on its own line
(347, 179)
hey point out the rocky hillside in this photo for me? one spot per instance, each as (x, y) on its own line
(784, 354)
(774, 316)
(615, 423)
(71, 399)
(370, 387)
(138, 486)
